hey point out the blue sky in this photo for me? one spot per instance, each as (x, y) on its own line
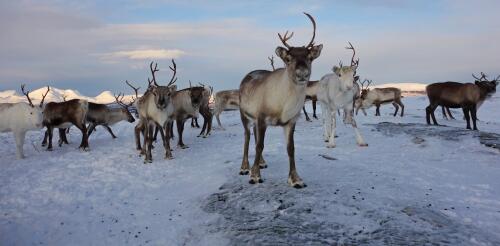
(94, 45)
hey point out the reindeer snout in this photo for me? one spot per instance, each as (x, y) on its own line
(302, 74)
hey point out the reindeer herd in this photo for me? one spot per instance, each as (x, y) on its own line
(264, 98)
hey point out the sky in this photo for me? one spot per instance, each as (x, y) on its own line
(92, 45)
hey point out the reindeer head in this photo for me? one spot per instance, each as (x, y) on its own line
(347, 74)
(162, 94)
(125, 107)
(298, 60)
(488, 86)
(33, 115)
(365, 88)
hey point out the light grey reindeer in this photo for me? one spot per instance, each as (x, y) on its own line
(275, 98)
(154, 108)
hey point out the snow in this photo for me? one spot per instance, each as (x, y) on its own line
(413, 185)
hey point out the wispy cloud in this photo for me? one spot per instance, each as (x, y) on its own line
(144, 54)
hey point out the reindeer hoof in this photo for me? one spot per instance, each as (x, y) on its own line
(49, 149)
(148, 161)
(363, 145)
(244, 172)
(169, 157)
(255, 180)
(183, 146)
(298, 184)
(331, 146)
(262, 165)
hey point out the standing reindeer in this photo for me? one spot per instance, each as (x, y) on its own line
(101, 114)
(311, 94)
(377, 97)
(21, 117)
(275, 98)
(337, 91)
(457, 95)
(226, 100)
(205, 111)
(154, 108)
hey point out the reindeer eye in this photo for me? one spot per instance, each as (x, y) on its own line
(31, 112)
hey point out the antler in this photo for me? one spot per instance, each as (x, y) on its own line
(483, 77)
(27, 95)
(368, 83)
(271, 59)
(285, 38)
(119, 100)
(44, 95)
(353, 62)
(174, 69)
(201, 84)
(311, 44)
(136, 90)
(153, 71)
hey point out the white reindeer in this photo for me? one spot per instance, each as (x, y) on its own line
(337, 91)
(19, 118)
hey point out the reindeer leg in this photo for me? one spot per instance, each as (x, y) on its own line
(377, 110)
(45, 137)
(397, 108)
(474, 116)
(305, 113)
(84, 145)
(467, 116)
(293, 177)
(262, 161)
(109, 130)
(166, 142)
(259, 147)
(433, 108)
(245, 167)
(19, 137)
(314, 108)
(50, 131)
(91, 128)
(444, 113)
(359, 139)
(325, 113)
(402, 107)
(137, 134)
(332, 125)
(180, 129)
(148, 141)
(209, 125)
(449, 113)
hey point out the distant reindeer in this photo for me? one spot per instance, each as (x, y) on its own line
(311, 94)
(226, 100)
(457, 95)
(275, 98)
(154, 109)
(21, 117)
(377, 97)
(103, 115)
(337, 91)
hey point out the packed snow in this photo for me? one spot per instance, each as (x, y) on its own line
(413, 185)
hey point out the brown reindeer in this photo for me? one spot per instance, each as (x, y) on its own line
(457, 95)
(64, 114)
(275, 98)
(378, 96)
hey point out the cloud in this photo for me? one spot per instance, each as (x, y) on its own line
(145, 54)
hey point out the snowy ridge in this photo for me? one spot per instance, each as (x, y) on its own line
(57, 95)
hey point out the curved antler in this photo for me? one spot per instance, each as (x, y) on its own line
(153, 71)
(136, 90)
(27, 95)
(311, 43)
(174, 69)
(44, 95)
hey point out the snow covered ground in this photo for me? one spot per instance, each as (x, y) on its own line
(413, 185)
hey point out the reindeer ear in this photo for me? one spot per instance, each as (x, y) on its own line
(315, 51)
(336, 70)
(283, 54)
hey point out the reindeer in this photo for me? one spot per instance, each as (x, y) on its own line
(377, 97)
(337, 91)
(64, 114)
(154, 108)
(226, 100)
(457, 95)
(101, 114)
(21, 117)
(274, 98)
